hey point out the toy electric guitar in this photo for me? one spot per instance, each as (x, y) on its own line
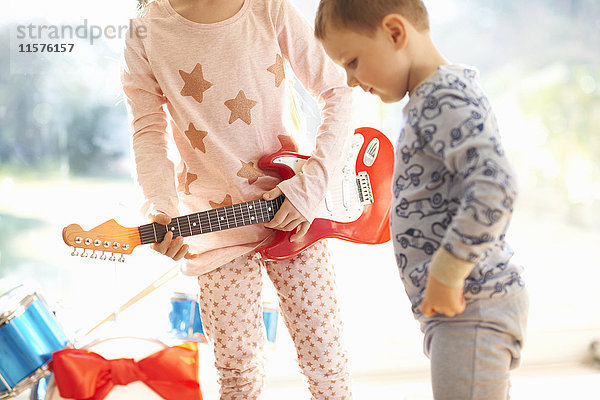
(356, 208)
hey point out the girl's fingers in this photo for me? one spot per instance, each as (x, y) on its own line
(301, 232)
(290, 226)
(163, 246)
(277, 220)
(174, 247)
(181, 253)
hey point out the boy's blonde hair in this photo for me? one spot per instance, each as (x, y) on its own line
(365, 15)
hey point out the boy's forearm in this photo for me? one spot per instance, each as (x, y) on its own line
(449, 269)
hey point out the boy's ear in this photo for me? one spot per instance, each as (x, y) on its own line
(395, 28)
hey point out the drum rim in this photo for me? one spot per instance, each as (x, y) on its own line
(27, 382)
(24, 303)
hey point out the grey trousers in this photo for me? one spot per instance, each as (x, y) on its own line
(472, 353)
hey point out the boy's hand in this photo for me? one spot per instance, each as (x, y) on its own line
(173, 248)
(442, 299)
(287, 218)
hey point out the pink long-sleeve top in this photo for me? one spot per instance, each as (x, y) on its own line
(225, 97)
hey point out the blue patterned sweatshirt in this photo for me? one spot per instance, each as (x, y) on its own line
(453, 187)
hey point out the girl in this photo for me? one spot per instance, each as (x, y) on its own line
(218, 67)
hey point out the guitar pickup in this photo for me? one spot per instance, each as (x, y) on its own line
(365, 193)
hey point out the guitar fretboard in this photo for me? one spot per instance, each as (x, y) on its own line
(252, 212)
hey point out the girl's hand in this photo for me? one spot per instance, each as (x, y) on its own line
(287, 218)
(442, 299)
(173, 248)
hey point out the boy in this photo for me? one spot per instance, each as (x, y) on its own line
(454, 191)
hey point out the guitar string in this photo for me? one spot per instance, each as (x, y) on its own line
(211, 217)
(148, 232)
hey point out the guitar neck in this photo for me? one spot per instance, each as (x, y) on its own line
(242, 214)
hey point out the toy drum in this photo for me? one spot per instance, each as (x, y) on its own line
(113, 348)
(270, 316)
(29, 334)
(186, 322)
(185, 317)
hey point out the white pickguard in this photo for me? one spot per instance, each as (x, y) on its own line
(342, 202)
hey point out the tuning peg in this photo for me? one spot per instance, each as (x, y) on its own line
(94, 255)
(112, 257)
(103, 256)
(74, 253)
(84, 254)
(122, 259)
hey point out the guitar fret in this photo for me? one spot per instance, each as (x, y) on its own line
(196, 224)
(264, 208)
(205, 222)
(226, 217)
(262, 215)
(220, 219)
(229, 214)
(210, 229)
(247, 215)
(270, 211)
(252, 212)
(255, 219)
(192, 224)
(189, 224)
(214, 220)
(240, 216)
(184, 225)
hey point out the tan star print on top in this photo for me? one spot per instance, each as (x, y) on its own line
(194, 83)
(185, 179)
(196, 137)
(248, 171)
(278, 70)
(227, 201)
(240, 108)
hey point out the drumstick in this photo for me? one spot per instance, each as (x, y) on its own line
(166, 277)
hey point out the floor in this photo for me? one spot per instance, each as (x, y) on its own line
(557, 382)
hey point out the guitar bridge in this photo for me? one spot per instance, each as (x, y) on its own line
(365, 193)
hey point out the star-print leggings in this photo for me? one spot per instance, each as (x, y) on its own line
(231, 307)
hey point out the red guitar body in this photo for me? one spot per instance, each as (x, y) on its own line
(367, 222)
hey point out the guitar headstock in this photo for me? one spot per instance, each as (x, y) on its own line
(110, 238)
